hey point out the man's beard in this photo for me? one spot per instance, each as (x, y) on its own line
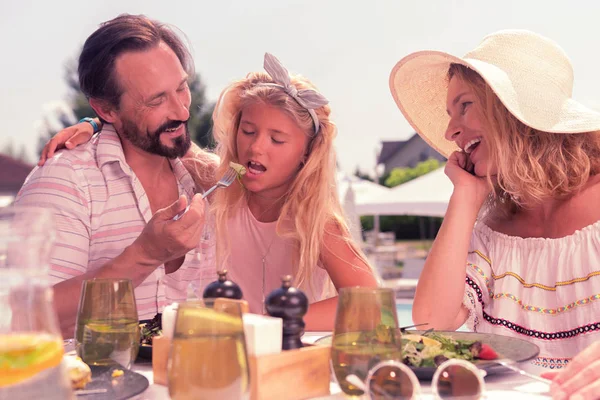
(150, 141)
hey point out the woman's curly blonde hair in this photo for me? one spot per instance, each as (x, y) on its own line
(532, 165)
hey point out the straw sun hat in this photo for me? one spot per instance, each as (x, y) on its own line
(530, 74)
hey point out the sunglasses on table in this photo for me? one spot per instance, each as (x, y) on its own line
(393, 380)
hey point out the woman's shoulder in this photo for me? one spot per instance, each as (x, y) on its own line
(583, 206)
(496, 252)
(495, 233)
(572, 218)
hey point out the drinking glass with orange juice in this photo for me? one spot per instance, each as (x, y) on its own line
(31, 346)
(208, 358)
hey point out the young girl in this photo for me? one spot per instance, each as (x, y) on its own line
(284, 216)
(523, 223)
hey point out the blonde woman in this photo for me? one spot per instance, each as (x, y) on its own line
(285, 216)
(522, 227)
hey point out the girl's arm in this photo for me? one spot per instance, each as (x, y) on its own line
(69, 138)
(345, 268)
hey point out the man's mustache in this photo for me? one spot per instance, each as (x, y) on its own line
(170, 125)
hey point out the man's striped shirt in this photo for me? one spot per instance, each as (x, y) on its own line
(100, 208)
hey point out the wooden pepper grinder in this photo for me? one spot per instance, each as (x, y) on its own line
(289, 304)
(222, 287)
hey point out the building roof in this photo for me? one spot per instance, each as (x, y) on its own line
(12, 173)
(388, 149)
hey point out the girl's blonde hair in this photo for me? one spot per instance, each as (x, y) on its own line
(532, 165)
(311, 207)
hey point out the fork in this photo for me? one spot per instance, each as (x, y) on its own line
(404, 328)
(507, 363)
(224, 182)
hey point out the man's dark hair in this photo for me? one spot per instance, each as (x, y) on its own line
(124, 33)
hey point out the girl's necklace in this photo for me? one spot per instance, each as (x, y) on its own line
(264, 271)
(264, 256)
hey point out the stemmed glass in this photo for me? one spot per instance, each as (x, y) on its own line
(365, 333)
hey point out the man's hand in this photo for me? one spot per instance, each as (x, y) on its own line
(164, 240)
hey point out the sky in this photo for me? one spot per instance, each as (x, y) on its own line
(346, 47)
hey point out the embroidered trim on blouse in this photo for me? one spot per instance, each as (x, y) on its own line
(484, 276)
(545, 287)
(550, 311)
(486, 258)
(475, 287)
(529, 285)
(473, 318)
(530, 332)
(551, 363)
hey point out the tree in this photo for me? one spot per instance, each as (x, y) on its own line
(59, 117)
(23, 154)
(200, 123)
(399, 176)
(77, 100)
(10, 150)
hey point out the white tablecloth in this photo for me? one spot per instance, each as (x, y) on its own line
(500, 386)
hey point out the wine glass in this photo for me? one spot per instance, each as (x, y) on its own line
(107, 331)
(208, 357)
(365, 333)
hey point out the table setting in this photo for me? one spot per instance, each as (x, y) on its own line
(501, 385)
(499, 377)
(213, 348)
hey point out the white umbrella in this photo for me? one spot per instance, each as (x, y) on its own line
(364, 190)
(352, 217)
(427, 195)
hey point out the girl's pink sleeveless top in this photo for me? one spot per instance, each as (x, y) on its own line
(250, 241)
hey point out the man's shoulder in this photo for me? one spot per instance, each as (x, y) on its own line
(81, 157)
(67, 165)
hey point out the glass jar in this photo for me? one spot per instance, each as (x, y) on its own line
(31, 346)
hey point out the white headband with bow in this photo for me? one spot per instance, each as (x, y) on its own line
(308, 98)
